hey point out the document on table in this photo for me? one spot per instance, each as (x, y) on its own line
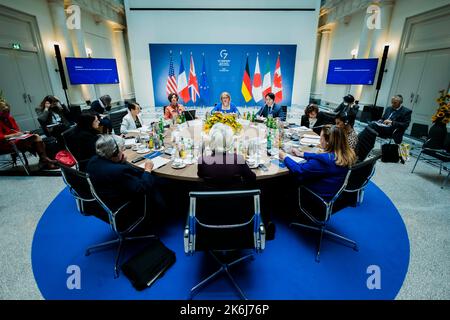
(158, 162)
(296, 159)
(130, 142)
(381, 124)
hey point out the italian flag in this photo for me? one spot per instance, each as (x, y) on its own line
(267, 84)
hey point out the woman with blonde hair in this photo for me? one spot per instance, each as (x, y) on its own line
(324, 173)
(226, 106)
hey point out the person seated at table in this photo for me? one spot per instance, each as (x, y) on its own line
(323, 173)
(342, 121)
(82, 142)
(53, 118)
(226, 106)
(224, 167)
(394, 122)
(116, 181)
(101, 106)
(271, 109)
(132, 119)
(174, 108)
(312, 118)
(10, 134)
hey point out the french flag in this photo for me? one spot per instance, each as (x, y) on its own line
(182, 84)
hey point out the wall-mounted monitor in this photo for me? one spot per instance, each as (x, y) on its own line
(92, 71)
(352, 71)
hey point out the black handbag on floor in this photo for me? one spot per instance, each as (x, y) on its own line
(390, 153)
(148, 265)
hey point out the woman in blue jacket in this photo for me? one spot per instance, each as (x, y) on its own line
(225, 106)
(324, 173)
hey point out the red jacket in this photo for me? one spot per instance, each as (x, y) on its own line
(7, 127)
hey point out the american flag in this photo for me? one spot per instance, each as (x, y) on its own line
(171, 86)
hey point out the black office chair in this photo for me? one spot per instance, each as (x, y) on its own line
(120, 236)
(419, 131)
(435, 155)
(67, 135)
(79, 187)
(224, 221)
(116, 119)
(366, 142)
(361, 173)
(284, 111)
(319, 211)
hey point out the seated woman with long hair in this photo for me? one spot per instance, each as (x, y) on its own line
(343, 121)
(224, 167)
(53, 118)
(82, 142)
(324, 173)
(10, 133)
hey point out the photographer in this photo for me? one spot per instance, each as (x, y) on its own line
(350, 107)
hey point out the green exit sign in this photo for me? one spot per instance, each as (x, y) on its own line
(16, 46)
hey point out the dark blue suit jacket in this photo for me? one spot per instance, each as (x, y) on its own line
(319, 173)
(400, 117)
(116, 183)
(97, 107)
(276, 112)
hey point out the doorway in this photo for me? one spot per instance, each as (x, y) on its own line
(424, 63)
(24, 80)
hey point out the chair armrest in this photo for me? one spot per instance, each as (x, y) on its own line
(262, 238)
(186, 240)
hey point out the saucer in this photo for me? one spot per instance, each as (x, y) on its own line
(142, 151)
(178, 166)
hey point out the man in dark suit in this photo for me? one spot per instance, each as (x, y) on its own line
(117, 182)
(394, 121)
(271, 108)
(350, 107)
(100, 106)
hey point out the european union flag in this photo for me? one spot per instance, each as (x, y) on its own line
(203, 86)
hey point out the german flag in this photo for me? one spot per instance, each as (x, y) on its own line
(246, 87)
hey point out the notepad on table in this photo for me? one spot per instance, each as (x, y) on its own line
(158, 162)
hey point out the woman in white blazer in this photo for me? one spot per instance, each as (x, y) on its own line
(132, 120)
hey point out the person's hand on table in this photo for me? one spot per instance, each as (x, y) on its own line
(297, 152)
(148, 166)
(282, 155)
(387, 122)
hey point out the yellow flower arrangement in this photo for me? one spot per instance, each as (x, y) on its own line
(443, 112)
(228, 119)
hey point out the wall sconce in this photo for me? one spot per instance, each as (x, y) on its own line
(89, 52)
(354, 53)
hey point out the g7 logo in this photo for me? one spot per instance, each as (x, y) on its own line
(223, 54)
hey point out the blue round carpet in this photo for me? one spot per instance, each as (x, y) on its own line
(286, 269)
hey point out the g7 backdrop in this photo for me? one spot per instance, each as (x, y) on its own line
(200, 72)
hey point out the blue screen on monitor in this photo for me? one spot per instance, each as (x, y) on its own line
(92, 71)
(352, 71)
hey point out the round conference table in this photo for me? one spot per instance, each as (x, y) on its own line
(193, 130)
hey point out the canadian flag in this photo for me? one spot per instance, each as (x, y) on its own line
(257, 83)
(267, 82)
(277, 88)
(193, 83)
